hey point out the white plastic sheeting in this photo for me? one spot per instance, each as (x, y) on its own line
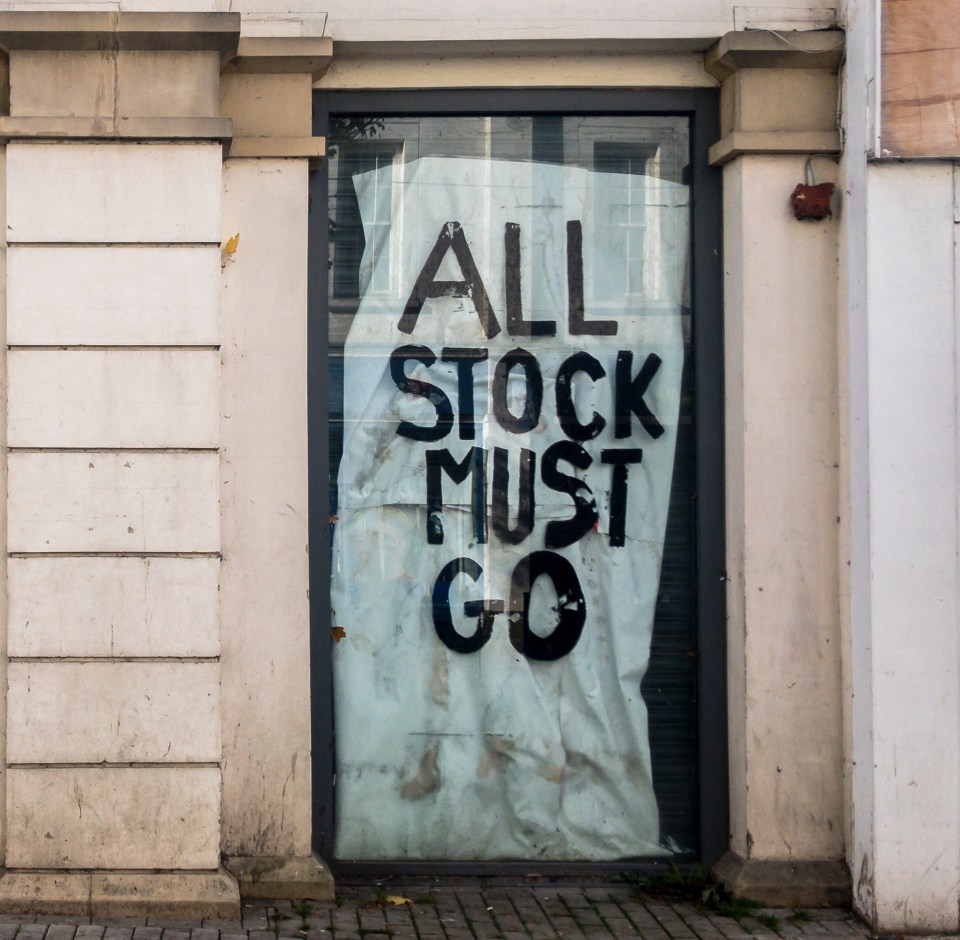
(495, 753)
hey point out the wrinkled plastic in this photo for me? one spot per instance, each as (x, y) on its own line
(494, 754)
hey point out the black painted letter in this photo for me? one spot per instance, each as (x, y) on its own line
(630, 392)
(620, 459)
(562, 532)
(571, 607)
(577, 324)
(566, 413)
(534, 391)
(442, 461)
(516, 325)
(398, 359)
(451, 236)
(483, 610)
(501, 499)
(465, 360)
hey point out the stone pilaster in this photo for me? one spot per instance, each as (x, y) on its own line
(114, 145)
(778, 110)
(267, 839)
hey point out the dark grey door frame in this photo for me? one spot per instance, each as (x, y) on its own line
(702, 108)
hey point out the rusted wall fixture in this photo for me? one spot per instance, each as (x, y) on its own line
(810, 199)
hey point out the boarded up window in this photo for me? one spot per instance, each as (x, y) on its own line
(920, 66)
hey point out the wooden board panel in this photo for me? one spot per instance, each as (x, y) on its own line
(920, 68)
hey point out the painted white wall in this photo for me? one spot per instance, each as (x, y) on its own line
(691, 22)
(855, 453)
(908, 568)
(564, 19)
(899, 400)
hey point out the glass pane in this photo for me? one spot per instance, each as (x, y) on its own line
(509, 330)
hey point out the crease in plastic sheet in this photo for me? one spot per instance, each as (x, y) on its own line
(490, 754)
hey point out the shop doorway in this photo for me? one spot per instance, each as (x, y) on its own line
(516, 481)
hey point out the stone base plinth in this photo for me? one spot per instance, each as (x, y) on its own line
(180, 895)
(292, 879)
(814, 883)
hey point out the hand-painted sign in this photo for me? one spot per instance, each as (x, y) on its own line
(509, 432)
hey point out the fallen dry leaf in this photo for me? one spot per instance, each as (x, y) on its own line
(338, 633)
(396, 899)
(231, 246)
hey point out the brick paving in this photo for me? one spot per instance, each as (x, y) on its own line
(461, 912)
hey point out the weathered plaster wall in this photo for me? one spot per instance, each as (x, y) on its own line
(264, 582)
(103, 473)
(781, 388)
(500, 20)
(547, 19)
(595, 70)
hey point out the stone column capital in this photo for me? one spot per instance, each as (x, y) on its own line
(98, 31)
(778, 93)
(266, 89)
(94, 75)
